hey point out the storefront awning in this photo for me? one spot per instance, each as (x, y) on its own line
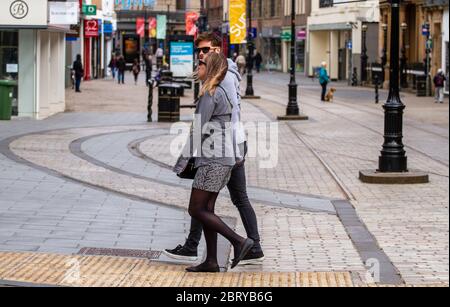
(63, 29)
(330, 27)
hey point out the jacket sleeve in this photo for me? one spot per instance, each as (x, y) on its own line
(206, 109)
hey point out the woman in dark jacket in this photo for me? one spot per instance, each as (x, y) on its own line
(136, 70)
(113, 66)
(79, 71)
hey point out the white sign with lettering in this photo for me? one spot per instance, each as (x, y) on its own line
(23, 13)
(12, 68)
(63, 13)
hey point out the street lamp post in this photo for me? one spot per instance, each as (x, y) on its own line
(393, 156)
(428, 61)
(145, 24)
(364, 56)
(293, 111)
(202, 28)
(292, 108)
(403, 68)
(249, 92)
(393, 166)
(384, 54)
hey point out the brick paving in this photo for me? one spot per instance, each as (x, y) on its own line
(409, 222)
(59, 200)
(321, 226)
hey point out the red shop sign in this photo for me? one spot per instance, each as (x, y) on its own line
(91, 28)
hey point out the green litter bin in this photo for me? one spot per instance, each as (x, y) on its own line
(6, 97)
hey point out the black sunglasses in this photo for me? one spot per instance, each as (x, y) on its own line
(205, 50)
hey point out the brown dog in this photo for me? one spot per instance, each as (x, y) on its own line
(330, 95)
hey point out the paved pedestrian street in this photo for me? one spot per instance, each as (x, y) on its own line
(88, 196)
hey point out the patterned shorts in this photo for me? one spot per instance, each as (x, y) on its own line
(212, 178)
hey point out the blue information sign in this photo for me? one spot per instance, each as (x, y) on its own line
(350, 45)
(425, 29)
(107, 28)
(182, 58)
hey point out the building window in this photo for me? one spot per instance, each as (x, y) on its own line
(300, 7)
(325, 3)
(181, 5)
(9, 60)
(272, 8)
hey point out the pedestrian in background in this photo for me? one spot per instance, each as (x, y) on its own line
(159, 57)
(241, 63)
(258, 61)
(113, 66)
(148, 67)
(439, 82)
(136, 69)
(121, 67)
(324, 79)
(234, 58)
(79, 72)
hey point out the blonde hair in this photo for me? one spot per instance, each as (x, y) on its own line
(216, 70)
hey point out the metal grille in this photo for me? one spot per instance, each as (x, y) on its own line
(133, 253)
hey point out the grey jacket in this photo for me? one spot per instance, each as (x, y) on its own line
(211, 136)
(231, 84)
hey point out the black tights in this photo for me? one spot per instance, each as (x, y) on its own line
(201, 207)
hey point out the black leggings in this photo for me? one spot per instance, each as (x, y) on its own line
(201, 207)
(324, 90)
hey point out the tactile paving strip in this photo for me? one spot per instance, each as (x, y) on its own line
(108, 271)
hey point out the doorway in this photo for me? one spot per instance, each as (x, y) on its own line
(9, 62)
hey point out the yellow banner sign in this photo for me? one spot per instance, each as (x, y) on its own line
(238, 21)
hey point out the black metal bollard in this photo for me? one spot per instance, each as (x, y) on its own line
(377, 94)
(355, 77)
(148, 75)
(150, 101)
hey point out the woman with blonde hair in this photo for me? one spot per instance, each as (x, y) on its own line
(214, 161)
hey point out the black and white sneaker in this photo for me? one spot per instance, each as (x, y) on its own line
(181, 253)
(252, 258)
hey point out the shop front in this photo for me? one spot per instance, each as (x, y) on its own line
(32, 59)
(300, 49)
(271, 48)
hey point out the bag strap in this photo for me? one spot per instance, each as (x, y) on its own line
(226, 95)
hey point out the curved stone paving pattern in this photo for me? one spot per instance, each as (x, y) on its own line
(98, 149)
(45, 213)
(38, 206)
(280, 217)
(293, 240)
(289, 176)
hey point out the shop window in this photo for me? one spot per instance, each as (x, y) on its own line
(447, 66)
(300, 56)
(181, 5)
(9, 61)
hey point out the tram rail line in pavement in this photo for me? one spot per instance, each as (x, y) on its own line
(361, 108)
(352, 121)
